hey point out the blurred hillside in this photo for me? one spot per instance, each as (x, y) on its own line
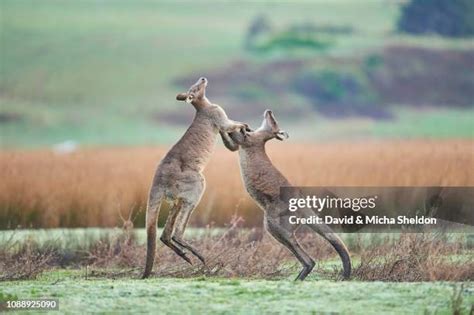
(100, 72)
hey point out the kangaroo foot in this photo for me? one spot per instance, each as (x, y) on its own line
(305, 272)
(186, 245)
(177, 250)
(302, 275)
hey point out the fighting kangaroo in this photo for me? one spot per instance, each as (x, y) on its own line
(263, 181)
(179, 179)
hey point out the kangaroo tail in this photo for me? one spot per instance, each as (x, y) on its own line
(152, 211)
(327, 233)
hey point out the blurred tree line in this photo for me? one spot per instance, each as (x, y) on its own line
(452, 18)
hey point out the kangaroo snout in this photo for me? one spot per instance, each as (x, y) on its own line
(196, 92)
(282, 135)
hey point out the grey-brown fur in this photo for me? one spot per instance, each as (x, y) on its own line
(179, 179)
(263, 181)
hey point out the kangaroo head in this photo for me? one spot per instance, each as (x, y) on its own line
(196, 95)
(268, 130)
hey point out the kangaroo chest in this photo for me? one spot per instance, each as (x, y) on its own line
(193, 151)
(262, 181)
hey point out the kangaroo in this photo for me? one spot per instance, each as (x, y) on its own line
(263, 180)
(179, 179)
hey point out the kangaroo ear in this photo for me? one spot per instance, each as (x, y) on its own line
(270, 121)
(181, 96)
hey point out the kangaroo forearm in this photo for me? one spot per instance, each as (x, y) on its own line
(228, 142)
(230, 126)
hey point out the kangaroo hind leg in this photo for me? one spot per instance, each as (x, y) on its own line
(189, 204)
(288, 239)
(168, 231)
(182, 221)
(327, 233)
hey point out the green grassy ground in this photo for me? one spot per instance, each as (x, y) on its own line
(77, 294)
(79, 291)
(98, 72)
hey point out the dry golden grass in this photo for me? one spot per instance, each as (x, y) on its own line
(91, 186)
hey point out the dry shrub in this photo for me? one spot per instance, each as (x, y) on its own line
(86, 188)
(24, 261)
(416, 257)
(119, 251)
(254, 254)
(247, 253)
